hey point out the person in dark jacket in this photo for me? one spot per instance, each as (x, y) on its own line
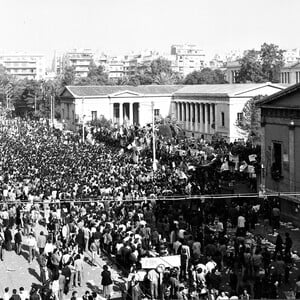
(106, 282)
(8, 239)
(18, 242)
(80, 239)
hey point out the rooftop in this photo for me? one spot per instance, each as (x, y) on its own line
(223, 89)
(102, 90)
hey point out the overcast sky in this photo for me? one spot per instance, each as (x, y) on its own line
(122, 25)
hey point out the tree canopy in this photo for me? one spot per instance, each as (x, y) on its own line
(261, 66)
(205, 76)
(250, 123)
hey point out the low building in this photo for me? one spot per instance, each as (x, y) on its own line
(280, 115)
(232, 71)
(290, 73)
(121, 104)
(207, 109)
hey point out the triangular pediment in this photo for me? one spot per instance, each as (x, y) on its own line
(288, 98)
(66, 94)
(126, 94)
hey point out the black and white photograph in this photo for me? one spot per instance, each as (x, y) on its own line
(149, 150)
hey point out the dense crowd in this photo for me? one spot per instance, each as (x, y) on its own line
(102, 197)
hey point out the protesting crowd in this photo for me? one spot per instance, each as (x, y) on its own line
(102, 198)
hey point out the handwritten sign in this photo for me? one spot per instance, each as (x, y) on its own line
(153, 262)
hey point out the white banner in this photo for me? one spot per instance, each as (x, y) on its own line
(154, 262)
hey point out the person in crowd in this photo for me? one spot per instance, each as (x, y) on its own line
(18, 241)
(106, 282)
(32, 247)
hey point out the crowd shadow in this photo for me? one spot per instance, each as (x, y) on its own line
(34, 273)
(94, 288)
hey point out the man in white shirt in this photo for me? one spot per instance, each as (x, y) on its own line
(241, 225)
(6, 295)
(32, 245)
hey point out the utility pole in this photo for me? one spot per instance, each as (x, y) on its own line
(82, 110)
(35, 104)
(153, 140)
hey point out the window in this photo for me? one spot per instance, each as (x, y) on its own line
(240, 117)
(94, 115)
(223, 119)
(156, 112)
(276, 161)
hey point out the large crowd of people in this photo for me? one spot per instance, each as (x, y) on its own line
(102, 197)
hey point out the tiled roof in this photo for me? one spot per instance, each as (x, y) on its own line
(289, 90)
(222, 89)
(102, 90)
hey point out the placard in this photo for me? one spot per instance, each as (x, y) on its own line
(153, 262)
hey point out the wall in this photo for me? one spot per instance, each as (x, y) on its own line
(276, 133)
(219, 108)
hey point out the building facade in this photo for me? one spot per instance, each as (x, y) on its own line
(208, 109)
(290, 73)
(232, 71)
(280, 115)
(24, 65)
(120, 104)
(187, 58)
(80, 60)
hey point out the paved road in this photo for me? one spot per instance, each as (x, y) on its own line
(16, 272)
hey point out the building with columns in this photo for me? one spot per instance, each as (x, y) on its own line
(280, 123)
(204, 109)
(121, 104)
(208, 109)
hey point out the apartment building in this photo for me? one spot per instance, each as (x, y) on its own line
(188, 58)
(24, 65)
(80, 59)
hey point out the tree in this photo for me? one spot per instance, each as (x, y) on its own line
(68, 76)
(205, 76)
(97, 75)
(251, 69)
(261, 66)
(250, 123)
(272, 60)
(158, 72)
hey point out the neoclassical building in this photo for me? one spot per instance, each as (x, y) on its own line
(121, 104)
(201, 109)
(207, 109)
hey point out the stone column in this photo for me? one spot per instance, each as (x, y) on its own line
(121, 119)
(192, 119)
(206, 130)
(196, 117)
(201, 118)
(187, 110)
(292, 156)
(111, 112)
(131, 113)
(212, 130)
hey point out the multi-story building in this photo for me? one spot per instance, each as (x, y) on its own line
(116, 68)
(188, 58)
(291, 56)
(80, 60)
(24, 65)
(290, 73)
